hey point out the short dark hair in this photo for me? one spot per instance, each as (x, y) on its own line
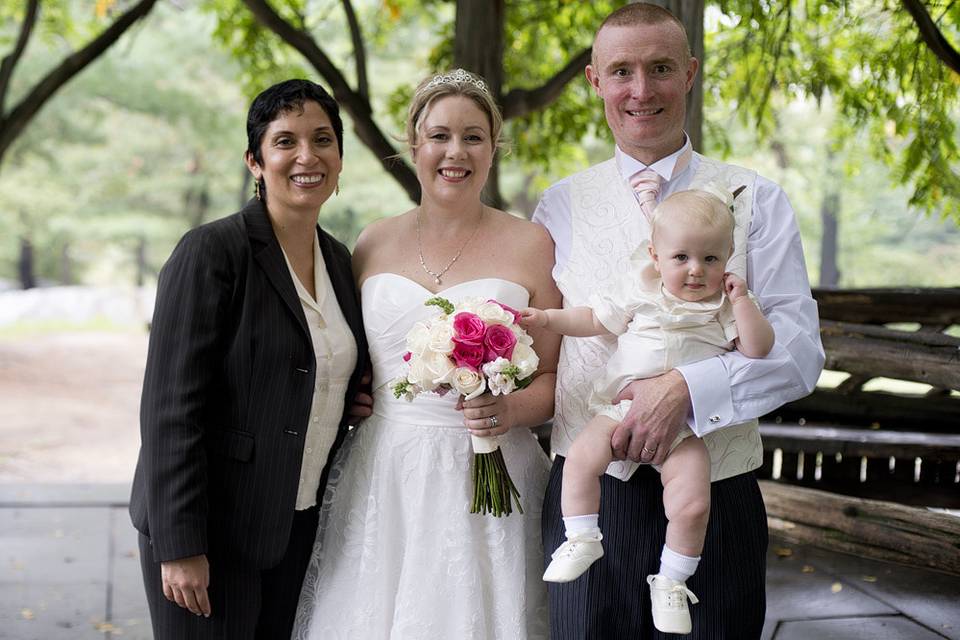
(281, 98)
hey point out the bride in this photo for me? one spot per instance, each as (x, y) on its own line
(399, 555)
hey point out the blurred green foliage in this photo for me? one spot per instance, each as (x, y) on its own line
(148, 141)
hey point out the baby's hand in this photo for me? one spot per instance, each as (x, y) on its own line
(734, 286)
(533, 318)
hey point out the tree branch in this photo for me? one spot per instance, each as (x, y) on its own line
(10, 61)
(932, 36)
(520, 102)
(359, 51)
(351, 101)
(73, 64)
(778, 52)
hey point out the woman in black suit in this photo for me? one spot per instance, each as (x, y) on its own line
(256, 343)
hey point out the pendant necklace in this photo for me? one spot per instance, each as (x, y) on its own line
(437, 276)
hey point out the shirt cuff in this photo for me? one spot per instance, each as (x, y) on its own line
(710, 398)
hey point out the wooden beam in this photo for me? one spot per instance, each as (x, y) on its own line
(812, 438)
(868, 408)
(867, 528)
(863, 349)
(934, 306)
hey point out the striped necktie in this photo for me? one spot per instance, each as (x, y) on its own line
(646, 184)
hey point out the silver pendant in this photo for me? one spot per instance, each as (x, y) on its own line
(437, 280)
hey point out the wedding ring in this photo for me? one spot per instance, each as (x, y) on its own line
(650, 451)
(494, 421)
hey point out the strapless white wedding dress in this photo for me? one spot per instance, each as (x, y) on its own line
(399, 556)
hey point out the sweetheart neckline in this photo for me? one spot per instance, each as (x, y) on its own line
(442, 291)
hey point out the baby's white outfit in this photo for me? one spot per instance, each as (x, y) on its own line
(656, 331)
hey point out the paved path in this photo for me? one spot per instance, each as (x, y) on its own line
(69, 570)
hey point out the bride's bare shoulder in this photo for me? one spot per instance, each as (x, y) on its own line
(519, 230)
(377, 237)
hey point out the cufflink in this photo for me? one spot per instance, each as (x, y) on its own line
(714, 419)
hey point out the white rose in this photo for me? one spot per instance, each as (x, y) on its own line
(438, 367)
(526, 359)
(420, 375)
(500, 384)
(441, 337)
(418, 338)
(522, 336)
(492, 313)
(469, 305)
(467, 382)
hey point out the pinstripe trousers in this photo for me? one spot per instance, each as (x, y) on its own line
(246, 603)
(612, 600)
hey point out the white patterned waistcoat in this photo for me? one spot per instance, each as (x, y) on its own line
(606, 228)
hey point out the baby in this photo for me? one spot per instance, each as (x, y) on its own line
(680, 308)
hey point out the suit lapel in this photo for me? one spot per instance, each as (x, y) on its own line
(267, 253)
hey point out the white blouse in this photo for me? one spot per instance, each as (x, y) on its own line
(336, 353)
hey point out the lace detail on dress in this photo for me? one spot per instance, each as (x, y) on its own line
(398, 555)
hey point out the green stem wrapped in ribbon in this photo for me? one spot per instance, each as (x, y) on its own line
(493, 489)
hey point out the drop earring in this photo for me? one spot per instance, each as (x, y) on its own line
(256, 189)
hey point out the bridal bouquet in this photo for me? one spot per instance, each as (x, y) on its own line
(472, 347)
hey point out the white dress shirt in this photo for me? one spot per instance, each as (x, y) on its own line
(731, 384)
(336, 354)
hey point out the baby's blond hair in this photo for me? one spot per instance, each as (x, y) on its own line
(693, 207)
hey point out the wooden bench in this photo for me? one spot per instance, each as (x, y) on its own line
(878, 444)
(837, 461)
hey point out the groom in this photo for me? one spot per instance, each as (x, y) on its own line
(642, 70)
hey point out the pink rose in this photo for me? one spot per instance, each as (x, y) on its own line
(467, 354)
(498, 342)
(468, 328)
(511, 310)
(406, 356)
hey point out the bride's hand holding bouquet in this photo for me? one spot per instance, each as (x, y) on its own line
(478, 350)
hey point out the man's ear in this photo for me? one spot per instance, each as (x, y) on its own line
(593, 78)
(692, 67)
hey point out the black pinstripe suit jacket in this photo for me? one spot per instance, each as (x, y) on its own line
(227, 393)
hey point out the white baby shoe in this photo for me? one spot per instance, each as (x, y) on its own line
(574, 557)
(669, 604)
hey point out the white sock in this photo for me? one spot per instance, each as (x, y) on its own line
(675, 566)
(588, 525)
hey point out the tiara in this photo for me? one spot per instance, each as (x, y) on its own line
(457, 76)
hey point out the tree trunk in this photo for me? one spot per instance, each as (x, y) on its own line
(829, 272)
(829, 208)
(25, 264)
(140, 258)
(66, 265)
(690, 14)
(478, 47)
